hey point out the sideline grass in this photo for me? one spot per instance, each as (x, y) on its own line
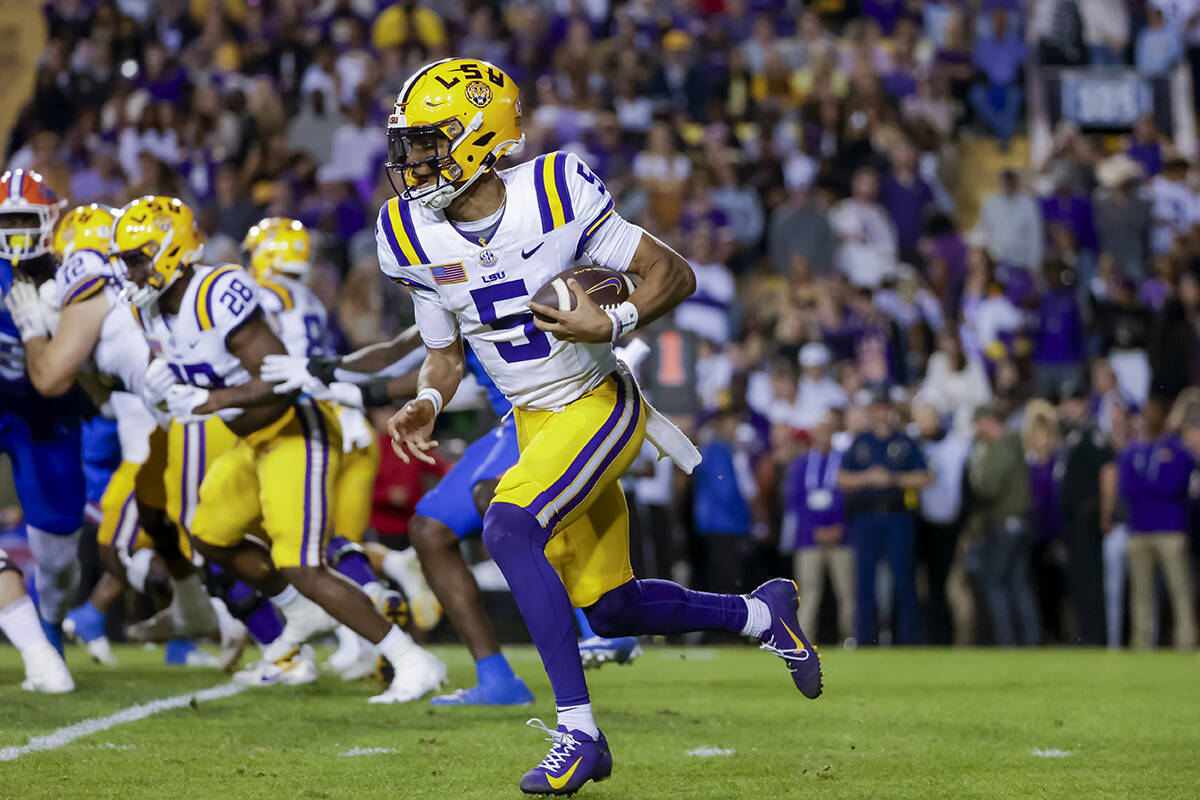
(892, 724)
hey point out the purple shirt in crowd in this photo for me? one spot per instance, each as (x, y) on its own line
(1154, 478)
(811, 498)
(1044, 508)
(1148, 155)
(906, 204)
(1075, 213)
(1060, 329)
(1000, 59)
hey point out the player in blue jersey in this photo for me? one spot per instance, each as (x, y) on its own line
(40, 435)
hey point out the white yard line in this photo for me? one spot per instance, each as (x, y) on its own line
(64, 736)
(368, 751)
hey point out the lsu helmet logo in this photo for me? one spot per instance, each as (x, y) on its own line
(478, 93)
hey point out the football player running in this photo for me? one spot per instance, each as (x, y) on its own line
(278, 252)
(41, 436)
(277, 477)
(98, 342)
(473, 244)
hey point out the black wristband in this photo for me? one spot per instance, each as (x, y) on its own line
(375, 392)
(323, 367)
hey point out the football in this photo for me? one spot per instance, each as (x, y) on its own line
(607, 287)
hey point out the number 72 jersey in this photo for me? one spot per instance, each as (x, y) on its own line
(557, 213)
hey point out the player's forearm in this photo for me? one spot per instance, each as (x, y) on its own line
(667, 279)
(251, 394)
(378, 357)
(49, 374)
(443, 370)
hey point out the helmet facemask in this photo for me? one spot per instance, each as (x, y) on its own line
(142, 284)
(431, 147)
(25, 232)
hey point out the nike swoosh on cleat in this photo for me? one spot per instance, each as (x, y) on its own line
(529, 253)
(558, 783)
(799, 644)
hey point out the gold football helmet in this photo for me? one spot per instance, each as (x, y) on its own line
(453, 120)
(153, 239)
(84, 228)
(278, 245)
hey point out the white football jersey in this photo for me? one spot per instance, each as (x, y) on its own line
(297, 315)
(557, 213)
(217, 301)
(121, 353)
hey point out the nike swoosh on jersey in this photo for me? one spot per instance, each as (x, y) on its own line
(529, 253)
(558, 783)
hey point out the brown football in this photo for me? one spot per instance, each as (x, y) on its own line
(607, 287)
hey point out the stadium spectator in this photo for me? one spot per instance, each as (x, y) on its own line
(866, 252)
(1105, 31)
(1000, 56)
(1154, 474)
(942, 510)
(1122, 214)
(723, 489)
(1011, 224)
(799, 230)
(955, 383)
(880, 467)
(1159, 46)
(1000, 490)
(814, 529)
(818, 393)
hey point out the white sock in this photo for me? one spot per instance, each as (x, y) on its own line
(286, 597)
(225, 621)
(373, 590)
(394, 563)
(758, 617)
(579, 718)
(20, 623)
(395, 645)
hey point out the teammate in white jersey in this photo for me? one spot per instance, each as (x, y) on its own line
(278, 476)
(98, 342)
(473, 244)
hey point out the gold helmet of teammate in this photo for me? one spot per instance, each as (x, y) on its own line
(453, 120)
(84, 228)
(153, 239)
(278, 245)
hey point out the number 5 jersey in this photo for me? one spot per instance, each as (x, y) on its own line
(556, 213)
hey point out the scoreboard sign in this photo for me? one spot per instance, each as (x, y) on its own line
(1107, 99)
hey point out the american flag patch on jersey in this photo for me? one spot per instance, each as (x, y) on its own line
(449, 273)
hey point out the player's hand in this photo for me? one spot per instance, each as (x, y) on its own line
(410, 428)
(356, 432)
(289, 373)
(342, 393)
(183, 402)
(157, 380)
(25, 305)
(51, 312)
(587, 323)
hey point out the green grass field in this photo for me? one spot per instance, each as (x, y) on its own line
(892, 724)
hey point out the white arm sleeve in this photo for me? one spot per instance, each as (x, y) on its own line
(614, 243)
(438, 327)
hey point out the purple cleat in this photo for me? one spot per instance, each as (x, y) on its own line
(785, 639)
(575, 759)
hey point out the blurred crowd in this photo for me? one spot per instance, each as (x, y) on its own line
(998, 414)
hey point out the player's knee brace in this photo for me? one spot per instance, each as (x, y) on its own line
(162, 531)
(56, 571)
(341, 548)
(511, 531)
(617, 612)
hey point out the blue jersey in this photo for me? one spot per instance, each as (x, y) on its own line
(496, 397)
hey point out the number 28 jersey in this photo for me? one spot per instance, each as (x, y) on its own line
(217, 301)
(557, 213)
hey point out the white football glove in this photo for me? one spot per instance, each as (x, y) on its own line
(290, 373)
(157, 380)
(182, 400)
(344, 394)
(356, 431)
(48, 292)
(25, 305)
